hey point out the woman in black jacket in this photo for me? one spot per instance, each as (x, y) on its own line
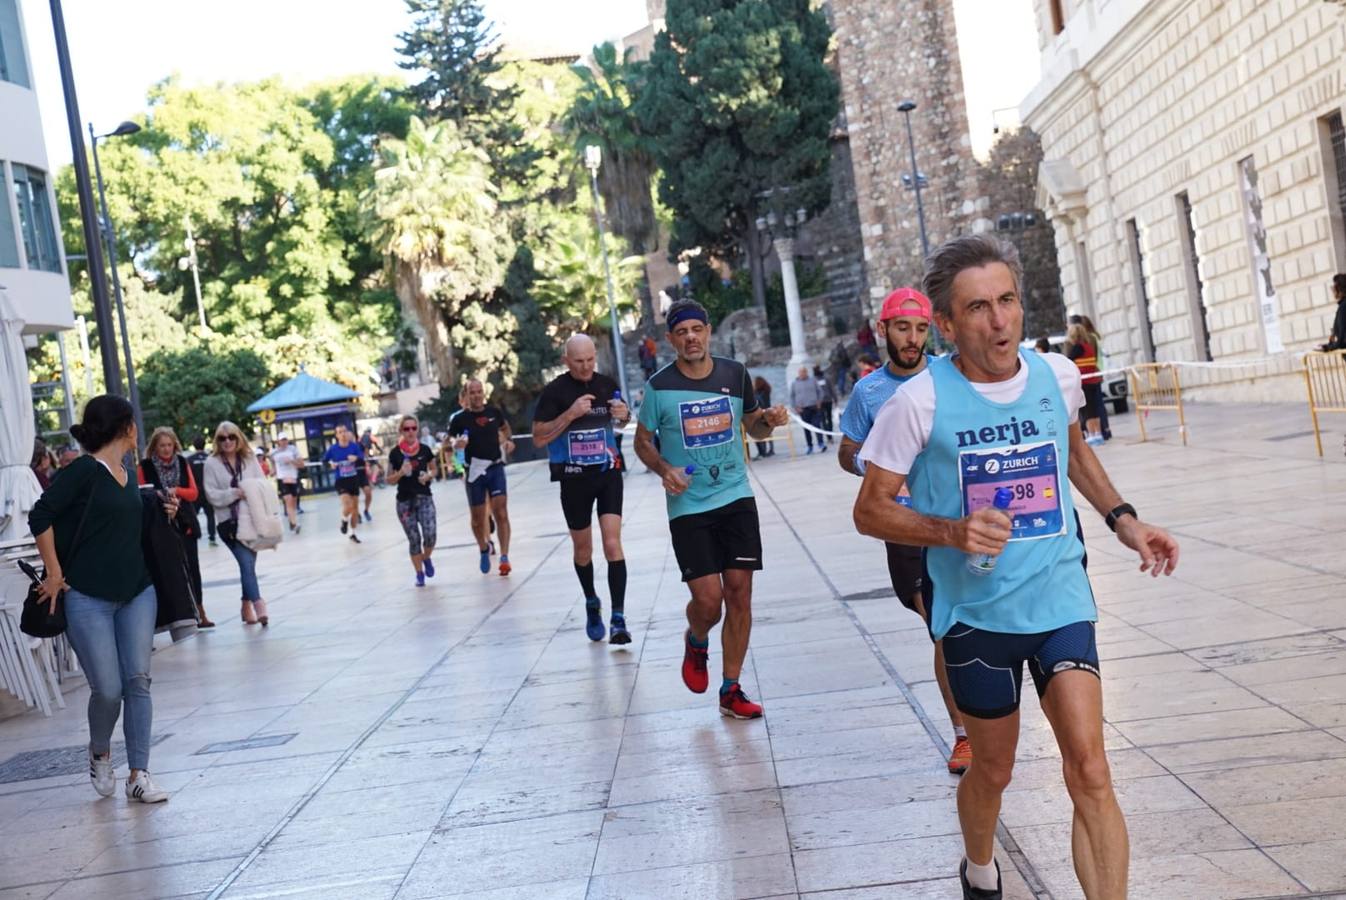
(88, 528)
(167, 469)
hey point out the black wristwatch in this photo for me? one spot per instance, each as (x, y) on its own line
(1126, 509)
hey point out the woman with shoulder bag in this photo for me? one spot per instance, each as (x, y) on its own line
(232, 463)
(109, 601)
(166, 469)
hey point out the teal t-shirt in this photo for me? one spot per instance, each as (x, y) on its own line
(697, 421)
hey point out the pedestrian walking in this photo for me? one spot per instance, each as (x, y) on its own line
(806, 398)
(411, 468)
(88, 530)
(229, 467)
(827, 402)
(287, 462)
(483, 433)
(696, 407)
(841, 366)
(761, 389)
(576, 419)
(1082, 351)
(165, 469)
(904, 324)
(197, 460)
(1100, 400)
(1336, 338)
(1009, 584)
(649, 356)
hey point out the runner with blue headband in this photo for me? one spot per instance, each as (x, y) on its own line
(696, 406)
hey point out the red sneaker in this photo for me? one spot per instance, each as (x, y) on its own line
(736, 705)
(694, 661)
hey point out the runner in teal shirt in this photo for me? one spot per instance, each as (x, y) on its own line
(696, 406)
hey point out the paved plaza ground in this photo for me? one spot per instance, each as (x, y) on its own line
(466, 739)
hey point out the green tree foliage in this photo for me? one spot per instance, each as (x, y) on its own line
(434, 216)
(739, 102)
(603, 114)
(193, 390)
(571, 286)
(453, 46)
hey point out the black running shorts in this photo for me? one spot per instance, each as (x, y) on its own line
(709, 543)
(289, 488)
(986, 667)
(580, 494)
(349, 486)
(906, 571)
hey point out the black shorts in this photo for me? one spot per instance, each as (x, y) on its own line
(986, 668)
(289, 488)
(711, 542)
(363, 476)
(349, 486)
(578, 496)
(1093, 399)
(906, 569)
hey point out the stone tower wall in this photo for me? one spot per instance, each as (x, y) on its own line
(889, 50)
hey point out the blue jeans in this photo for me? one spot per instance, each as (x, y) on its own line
(247, 567)
(113, 642)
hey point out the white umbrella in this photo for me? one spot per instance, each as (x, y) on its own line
(19, 487)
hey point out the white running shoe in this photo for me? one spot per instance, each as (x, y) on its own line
(143, 788)
(101, 774)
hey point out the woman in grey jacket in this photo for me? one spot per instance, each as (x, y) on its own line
(232, 463)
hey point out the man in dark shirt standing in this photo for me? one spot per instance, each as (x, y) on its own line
(197, 460)
(575, 419)
(483, 431)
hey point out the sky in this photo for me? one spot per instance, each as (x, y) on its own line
(118, 49)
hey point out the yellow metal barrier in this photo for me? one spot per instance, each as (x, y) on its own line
(789, 438)
(1156, 386)
(1325, 377)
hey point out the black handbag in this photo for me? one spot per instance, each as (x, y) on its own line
(39, 619)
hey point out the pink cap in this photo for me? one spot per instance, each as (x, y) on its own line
(905, 301)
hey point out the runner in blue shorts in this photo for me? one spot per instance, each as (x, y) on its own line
(983, 420)
(484, 433)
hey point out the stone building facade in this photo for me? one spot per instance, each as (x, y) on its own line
(889, 50)
(1195, 173)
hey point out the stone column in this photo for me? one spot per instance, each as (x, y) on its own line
(785, 252)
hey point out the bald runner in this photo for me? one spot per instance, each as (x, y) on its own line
(577, 416)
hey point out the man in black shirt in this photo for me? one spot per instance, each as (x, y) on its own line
(197, 460)
(411, 466)
(575, 418)
(483, 431)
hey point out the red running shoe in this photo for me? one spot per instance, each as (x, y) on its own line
(694, 661)
(736, 705)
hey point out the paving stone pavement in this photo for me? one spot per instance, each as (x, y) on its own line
(466, 740)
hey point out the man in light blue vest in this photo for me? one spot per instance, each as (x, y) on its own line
(986, 425)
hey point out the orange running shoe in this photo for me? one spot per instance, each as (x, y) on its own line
(505, 567)
(961, 757)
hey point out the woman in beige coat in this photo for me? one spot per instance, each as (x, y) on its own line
(232, 463)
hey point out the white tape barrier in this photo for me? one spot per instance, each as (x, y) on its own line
(1193, 364)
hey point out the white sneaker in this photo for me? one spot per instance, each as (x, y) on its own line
(101, 774)
(143, 788)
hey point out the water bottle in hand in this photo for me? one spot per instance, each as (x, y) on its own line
(982, 563)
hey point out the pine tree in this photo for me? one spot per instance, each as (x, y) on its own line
(456, 48)
(738, 102)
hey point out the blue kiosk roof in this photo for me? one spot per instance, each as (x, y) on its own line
(303, 390)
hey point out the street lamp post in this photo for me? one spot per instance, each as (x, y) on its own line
(110, 236)
(189, 262)
(783, 242)
(107, 341)
(593, 158)
(905, 107)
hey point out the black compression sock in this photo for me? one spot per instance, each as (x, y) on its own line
(617, 585)
(586, 576)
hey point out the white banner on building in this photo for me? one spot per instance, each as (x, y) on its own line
(1261, 260)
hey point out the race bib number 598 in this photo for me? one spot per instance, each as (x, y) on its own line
(706, 423)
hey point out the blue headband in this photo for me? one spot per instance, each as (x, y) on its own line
(682, 315)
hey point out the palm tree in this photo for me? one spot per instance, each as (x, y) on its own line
(571, 285)
(433, 214)
(602, 114)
